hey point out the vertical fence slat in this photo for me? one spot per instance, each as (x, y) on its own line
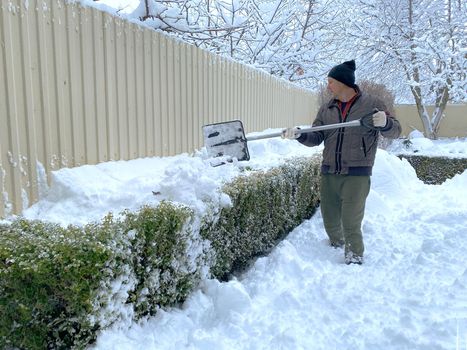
(148, 94)
(156, 80)
(99, 87)
(210, 100)
(129, 85)
(197, 124)
(205, 87)
(171, 85)
(9, 130)
(164, 93)
(225, 90)
(120, 82)
(26, 115)
(192, 131)
(217, 98)
(43, 120)
(75, 76)
(178, 131)
(62, 120)
(110, 90)
(4, 190)
(184, 120)
(138, 56)
(88, 96)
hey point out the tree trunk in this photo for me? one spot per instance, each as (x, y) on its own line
(416, 90)
(438, 113)
(422, 113)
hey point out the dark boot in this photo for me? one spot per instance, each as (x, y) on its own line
(351, 258)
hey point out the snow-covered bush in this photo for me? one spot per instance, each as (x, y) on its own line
(165, 266)
(266, 206)
(436, 170)
(60, 286)
(54, 282)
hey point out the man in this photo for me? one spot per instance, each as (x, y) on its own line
(348, 157)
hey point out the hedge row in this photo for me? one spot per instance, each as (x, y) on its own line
(266, 206)
(60, 286)
(436, 170)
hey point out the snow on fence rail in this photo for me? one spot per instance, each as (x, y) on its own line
(79, 86)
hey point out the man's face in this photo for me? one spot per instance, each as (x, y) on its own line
(335, 86)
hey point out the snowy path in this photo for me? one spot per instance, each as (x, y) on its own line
(411, 293)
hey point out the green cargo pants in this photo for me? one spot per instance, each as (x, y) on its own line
(342, 207)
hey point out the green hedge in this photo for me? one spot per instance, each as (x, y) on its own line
(164, 266)
(266, 206)
(52, 279)
(436, 170)
(59, 286)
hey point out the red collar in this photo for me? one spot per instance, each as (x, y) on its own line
(348, 104)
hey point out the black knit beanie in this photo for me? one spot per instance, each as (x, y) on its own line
(345, 73)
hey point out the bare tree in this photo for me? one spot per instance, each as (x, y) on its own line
(196, 21)
(289, 38)
(422, 42)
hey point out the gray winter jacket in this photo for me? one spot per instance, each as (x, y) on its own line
(352, 150)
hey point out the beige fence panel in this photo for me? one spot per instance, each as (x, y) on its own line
(454, 123)
(79, 86)
(16, 99)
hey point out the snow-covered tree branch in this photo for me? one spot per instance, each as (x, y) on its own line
(419, 44)
(284, 37)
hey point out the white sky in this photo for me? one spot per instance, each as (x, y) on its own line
(409, 294)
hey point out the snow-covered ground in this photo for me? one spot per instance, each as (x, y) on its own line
(411, 292)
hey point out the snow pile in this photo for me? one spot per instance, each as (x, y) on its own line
(411, 293)
(85, 194)
(417, 144)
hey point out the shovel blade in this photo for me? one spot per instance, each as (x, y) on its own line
(226, 139)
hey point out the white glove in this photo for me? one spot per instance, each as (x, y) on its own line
(379, 119)
(291, 133)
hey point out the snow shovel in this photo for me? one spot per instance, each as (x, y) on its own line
(227, 139)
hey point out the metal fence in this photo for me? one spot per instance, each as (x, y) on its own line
(79, 86)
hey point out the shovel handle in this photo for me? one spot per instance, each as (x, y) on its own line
(357, 122)
(331, 126)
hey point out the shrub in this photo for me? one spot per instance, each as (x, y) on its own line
(165, 260)
(59, 286)
(266, 206)
(435, 170)
(50, 278)
(380, 91)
